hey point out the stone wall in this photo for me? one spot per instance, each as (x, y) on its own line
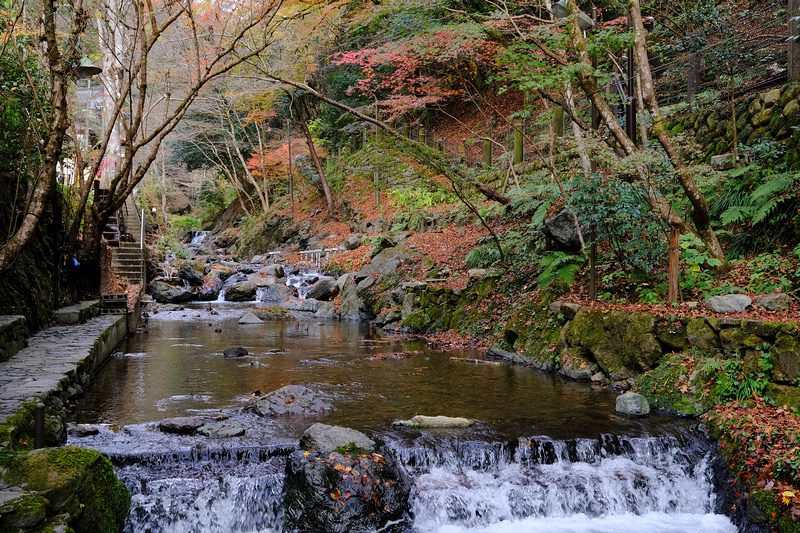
(772, 115)
(13, 335)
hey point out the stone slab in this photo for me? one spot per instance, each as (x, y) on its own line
(78, 313)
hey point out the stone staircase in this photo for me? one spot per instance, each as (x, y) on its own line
(127, 257)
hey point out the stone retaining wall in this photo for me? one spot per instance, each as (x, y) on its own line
(56, 367)
(13, 335)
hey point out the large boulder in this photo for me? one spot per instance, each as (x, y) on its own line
(163, 292)
(729, 303)
(192, 272)
(250, 318)
(775, 302)
(562, 233)
(209, 290)
(623, 344)
(241, 291)
(275, 294)
(352, 241)
(77, 484)
(324, 290)
(344, 490)
(327, 439)
(291, 400)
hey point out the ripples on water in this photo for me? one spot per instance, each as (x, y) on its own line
(545, 455)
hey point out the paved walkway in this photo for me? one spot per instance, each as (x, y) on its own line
(49, 363)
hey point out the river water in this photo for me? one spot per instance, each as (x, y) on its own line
(546, 454)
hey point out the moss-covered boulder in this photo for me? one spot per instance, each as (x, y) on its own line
(676, 386)
(701, 335)
(76, 483)
(623, 344)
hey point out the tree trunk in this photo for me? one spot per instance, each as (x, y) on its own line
(305, 115)
(57, 127)
(700, 213)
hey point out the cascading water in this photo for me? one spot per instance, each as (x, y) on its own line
(198, 237)
(646, 484)
(302, 280)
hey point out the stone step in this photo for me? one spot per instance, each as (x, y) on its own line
(77, 314)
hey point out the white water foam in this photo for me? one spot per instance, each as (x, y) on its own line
(626, 523)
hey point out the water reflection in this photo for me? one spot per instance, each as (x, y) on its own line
(177, 369)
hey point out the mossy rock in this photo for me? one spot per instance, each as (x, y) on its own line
(721, 147)
(746, 132)
(784, 395)
(758, 135)
(417, 322)
(677, 130)
(702, 336)
(26, 513)
(77, 482)
(786, 358)
(742, 119)
(763, 118)
(535, 331)
(732, 341)
(766, 503)
(273, 313)
(22, 427)
(672, 333)
(623, 344)
(792, 156)
(702, 135)
(674, 387)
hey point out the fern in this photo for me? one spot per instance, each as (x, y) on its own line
(768, 195)
(558, 265)
(482, 257)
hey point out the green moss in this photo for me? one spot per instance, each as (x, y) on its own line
(26, 513)
(766, 503)
(78, 482)
(351, 449)
(675, 387)
(22, 427)
(677, 129)
(417, 321)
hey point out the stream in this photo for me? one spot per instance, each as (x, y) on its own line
(546, 454)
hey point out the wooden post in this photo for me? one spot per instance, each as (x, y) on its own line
(353, 146)
(487, 153)
(421, 136)
(407, 130)
(518, 144)
(462, 151)
(674, 264)
(793, 67)
(440, 145)
(377, 192)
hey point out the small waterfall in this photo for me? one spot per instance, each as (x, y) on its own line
(198, 237)
(302, 280)
(614, 484)
(611, 484)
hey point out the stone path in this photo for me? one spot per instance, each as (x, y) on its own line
(49, 366)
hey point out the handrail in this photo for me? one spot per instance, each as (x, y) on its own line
(141, 239)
